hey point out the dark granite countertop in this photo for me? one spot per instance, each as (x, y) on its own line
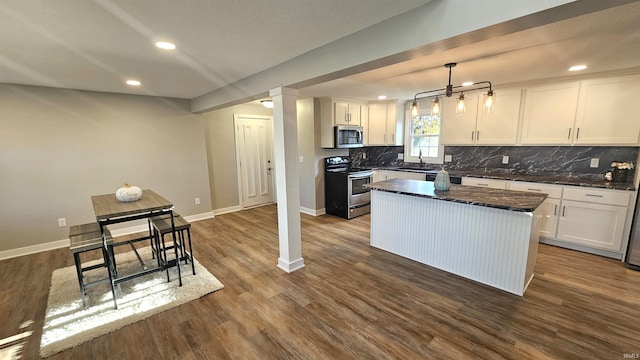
(495, 198)
(588, 180)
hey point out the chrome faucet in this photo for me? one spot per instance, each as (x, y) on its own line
(420, 156)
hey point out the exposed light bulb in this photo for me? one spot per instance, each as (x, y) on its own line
(435, 107)
(489, 101)
(461, 108)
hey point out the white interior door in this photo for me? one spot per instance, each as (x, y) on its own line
(254, 150)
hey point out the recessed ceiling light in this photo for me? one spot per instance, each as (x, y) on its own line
(467, 83)
(133, 82)
(577, 67)
(165, 45)
(382, 97)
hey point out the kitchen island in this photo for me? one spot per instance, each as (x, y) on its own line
(486, 235)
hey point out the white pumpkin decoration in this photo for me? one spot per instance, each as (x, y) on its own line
(128, 193)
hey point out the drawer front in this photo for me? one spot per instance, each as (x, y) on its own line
(488, 183)
(554, 191)
(611, 197)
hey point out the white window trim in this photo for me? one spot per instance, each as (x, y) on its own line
(407, 142)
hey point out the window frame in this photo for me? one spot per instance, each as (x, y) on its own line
(408, 137)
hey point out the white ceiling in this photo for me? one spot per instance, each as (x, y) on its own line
(97, 45)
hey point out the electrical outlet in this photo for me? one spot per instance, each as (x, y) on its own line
(401, 156)
(197, 201)
(505, 159)
(595, 162)
(62, 222)
(301, 158)
(448, 158)
(364, 156)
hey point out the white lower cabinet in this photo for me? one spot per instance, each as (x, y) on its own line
(488, 183)
(382, 175)
(595, 225)
(593, 218)
(585, 219)
(549, 208)
(393, 174)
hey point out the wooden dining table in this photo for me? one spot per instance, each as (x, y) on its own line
(109, 210)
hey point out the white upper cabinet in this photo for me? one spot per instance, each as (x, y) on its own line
(589, 112)
(500, 127)
(347, 112)
(384, 125)
(339, 112)
(549, 114)
(606, 114)
(459, 129)
(376, 129)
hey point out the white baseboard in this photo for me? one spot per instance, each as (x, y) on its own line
(227, 210)
(28, 250)
(312, 212)
(198, 217)
(290, 266)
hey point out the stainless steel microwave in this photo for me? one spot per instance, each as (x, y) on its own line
(348, 137)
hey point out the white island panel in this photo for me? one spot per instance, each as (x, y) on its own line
(493, 246)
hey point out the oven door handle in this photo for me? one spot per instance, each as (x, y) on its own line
(361, 176)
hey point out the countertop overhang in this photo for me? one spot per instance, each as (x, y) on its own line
(546, 178)
(495, 198)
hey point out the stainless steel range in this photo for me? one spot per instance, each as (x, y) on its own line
(344, 191)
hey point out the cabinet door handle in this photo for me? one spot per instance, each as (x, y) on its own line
(384, 138)
(563, 211)
(555, 210)
(477, 135)
(472, 134)
(393, 138)
(593, 195)
(569, 134)
(578, 134)
(532, 189)
(480, 184)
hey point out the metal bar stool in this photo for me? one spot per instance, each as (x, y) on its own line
(162, 226)
(83, 238)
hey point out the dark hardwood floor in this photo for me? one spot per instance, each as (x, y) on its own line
(351, 301)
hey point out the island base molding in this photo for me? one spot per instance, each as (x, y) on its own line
(492, 246)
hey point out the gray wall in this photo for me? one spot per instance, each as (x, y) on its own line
(221, 155)
(59, 147)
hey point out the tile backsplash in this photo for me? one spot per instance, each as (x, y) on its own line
(532, 160)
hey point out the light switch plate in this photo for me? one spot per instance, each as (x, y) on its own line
(595, 162)
(447, 158)
(401, 156)
(505, 159)
(301, 158)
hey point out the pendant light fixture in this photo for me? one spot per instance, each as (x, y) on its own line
(489, 97)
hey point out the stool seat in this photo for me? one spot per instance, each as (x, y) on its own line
(88, 241)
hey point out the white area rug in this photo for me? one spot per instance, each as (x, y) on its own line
(67, 324)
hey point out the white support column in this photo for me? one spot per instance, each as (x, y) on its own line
(285, 141)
